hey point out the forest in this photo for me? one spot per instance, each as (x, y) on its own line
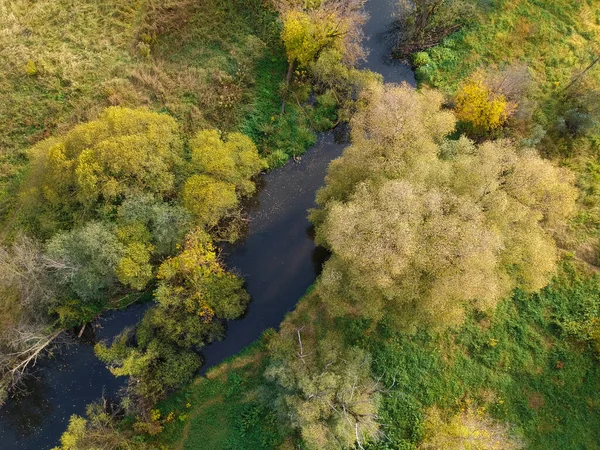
(458, 305)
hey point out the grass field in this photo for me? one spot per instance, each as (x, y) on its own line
(209, 64)
(225, 409)
(555, 38)
(519, 364)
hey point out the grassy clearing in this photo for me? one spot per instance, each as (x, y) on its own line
(224, 410)
(518, 364)
(209, 64)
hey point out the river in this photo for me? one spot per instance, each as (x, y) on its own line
(278, 260)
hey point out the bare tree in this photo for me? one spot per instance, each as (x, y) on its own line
(26, 293)
(422, 24)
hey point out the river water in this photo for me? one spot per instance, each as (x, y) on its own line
(278, 260)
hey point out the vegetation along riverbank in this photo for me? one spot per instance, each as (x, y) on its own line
(459, 307)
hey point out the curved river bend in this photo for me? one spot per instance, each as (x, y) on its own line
(278, 259)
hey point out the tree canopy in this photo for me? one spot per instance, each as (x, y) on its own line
(309, 27)
(125, 151)
(419, 225)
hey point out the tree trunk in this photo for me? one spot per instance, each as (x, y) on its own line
(288, 80)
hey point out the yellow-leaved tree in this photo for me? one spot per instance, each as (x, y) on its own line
(312, 26)
(480, 107)
(97, 164)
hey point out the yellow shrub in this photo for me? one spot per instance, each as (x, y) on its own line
(478, 105)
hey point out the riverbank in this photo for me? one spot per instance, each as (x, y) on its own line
(223, 408)
(206, 71)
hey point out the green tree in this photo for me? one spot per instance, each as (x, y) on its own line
(167, 224)
(85, 259)
(154, 367)
(326, 390)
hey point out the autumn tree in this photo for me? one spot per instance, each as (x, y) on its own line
(194, 296)
(233, 159)
(223, 170)
(98, 429)
(325, 37)
(309, 27)
(79, 176)
(419, 226)
(195, 293)
(482, 108)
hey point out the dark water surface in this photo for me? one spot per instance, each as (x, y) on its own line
(278, 259)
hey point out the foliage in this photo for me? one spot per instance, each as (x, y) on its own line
(467, 430)
(311, 27)
(419, 226)
(153, 368)
(80, 176)
(193, 295)
(513, 370)
(143, 217)
(480, 107)
(227, 169)
(208, 199)
(85, 260)
(195, 61)
(326, 390)
(556, 44)
(234, 160)
(98, 429)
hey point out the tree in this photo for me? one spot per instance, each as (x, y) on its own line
(234, 159)
(419, 226)
(480, 107)
(311, 26)
(208, 199)
(166, 223)
(326, 389)
(27, 294)
(99, 429)
(194, 295)
(97, 163)
(422, 24)
(85, 260)
(154, 367)
(331, 29)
